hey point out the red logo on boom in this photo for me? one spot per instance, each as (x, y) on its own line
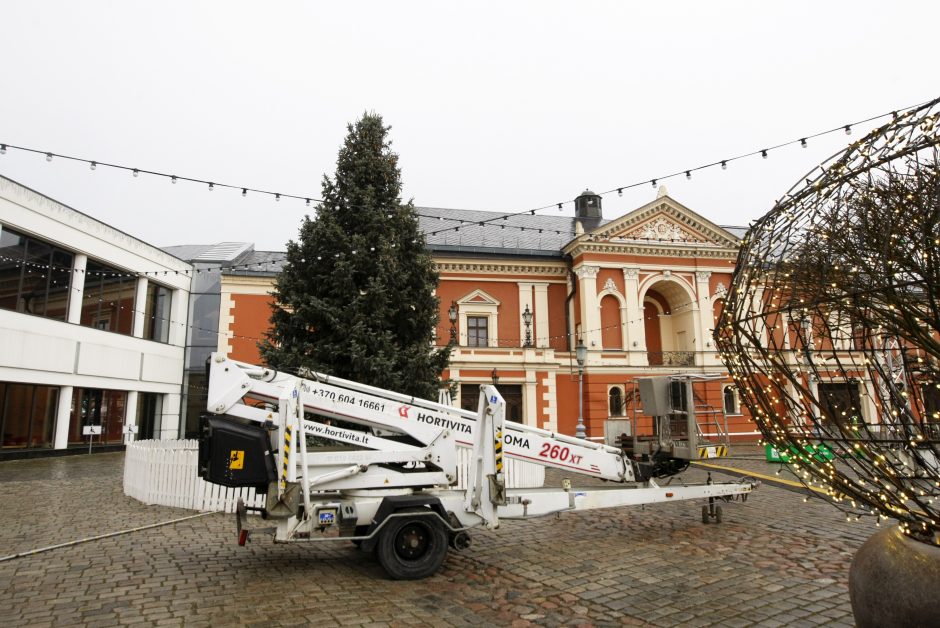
(403, 411)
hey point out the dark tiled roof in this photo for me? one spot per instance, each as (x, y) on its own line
(541, 236)
(259, 263)
(457, 231)
(737, 232)
(235, 257)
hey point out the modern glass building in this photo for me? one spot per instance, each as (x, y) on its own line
(93, 328)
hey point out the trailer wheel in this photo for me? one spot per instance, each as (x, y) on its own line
(705, 517)
(717, 514)
(412, 547)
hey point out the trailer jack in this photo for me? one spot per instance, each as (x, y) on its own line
(244, 534)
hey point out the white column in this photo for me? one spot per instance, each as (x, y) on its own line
(130, 413)
(635, 336)
(525, 300)
(590, 313)
(179, 308)
(63, 416)
(140, 307)
(704, 345)
(541, 335)
(170, 421)
(77, 295)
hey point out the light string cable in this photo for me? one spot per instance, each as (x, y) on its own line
(308, 199)
(723, 163)
(507, 342)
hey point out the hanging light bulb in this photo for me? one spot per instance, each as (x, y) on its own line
(211, 186)
(173, 179)
(244, 192)
(48, 156)
(93, 165)
(724, 165)
(308, 201)
(848, 129)
(803, 142)
(277, 197)
(763, 153)
(559, 206)
(3, 149)
(619, 191)
(136, 172)
(688, 174)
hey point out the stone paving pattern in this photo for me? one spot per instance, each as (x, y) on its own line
(775, 561)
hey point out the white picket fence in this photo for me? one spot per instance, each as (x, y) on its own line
(164, 472)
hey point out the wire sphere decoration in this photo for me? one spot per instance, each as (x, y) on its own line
(831, 329)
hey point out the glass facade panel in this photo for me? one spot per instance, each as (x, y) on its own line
(149, 415)
(16, 415)
(27, 414)
(95, 406)
(109, 299)
(195, 399)
(35, 276)
(157, 313)
(60, 285)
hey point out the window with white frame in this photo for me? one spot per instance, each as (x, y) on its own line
(477, 331)
(615, 401)
(730, 401)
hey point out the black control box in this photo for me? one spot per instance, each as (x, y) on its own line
(235, 453)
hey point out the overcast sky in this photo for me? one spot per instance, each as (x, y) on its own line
(496, 106)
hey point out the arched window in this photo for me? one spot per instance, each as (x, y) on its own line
(730, 396)
(615, 398)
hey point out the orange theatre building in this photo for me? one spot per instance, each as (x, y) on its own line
(520, 292)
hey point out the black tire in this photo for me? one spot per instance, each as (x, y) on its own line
(717, 514)
(705, 517)
(412, 547)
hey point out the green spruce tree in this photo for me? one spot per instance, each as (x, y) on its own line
(355, 298)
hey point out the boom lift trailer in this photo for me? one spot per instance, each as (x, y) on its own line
(390, 486)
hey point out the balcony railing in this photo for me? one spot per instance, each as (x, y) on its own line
(671, 358)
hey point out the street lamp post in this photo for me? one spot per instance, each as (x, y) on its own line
(527, 319)
(452, 316)
(581, 355)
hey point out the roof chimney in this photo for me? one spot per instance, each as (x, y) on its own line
(588, 205)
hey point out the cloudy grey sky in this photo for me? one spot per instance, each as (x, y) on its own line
(496, 106)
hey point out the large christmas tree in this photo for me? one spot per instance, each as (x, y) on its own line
(356, 295)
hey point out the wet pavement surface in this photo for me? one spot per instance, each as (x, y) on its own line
(774, 561)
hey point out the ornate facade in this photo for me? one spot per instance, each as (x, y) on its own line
(641, 292)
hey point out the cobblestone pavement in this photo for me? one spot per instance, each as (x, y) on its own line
(774, 561)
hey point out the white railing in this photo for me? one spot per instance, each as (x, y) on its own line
(164, 472)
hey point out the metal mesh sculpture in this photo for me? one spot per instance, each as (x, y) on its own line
(832, 327)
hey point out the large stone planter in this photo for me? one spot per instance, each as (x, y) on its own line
(895, 581)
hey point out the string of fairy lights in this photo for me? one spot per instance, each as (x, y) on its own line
(844, 251)
(310, 199)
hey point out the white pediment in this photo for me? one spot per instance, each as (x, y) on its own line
(477, 297)
(665, 220)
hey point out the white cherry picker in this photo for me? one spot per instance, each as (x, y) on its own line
(388, 481)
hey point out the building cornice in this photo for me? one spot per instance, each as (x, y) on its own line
(672, 249)
(500, 268)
